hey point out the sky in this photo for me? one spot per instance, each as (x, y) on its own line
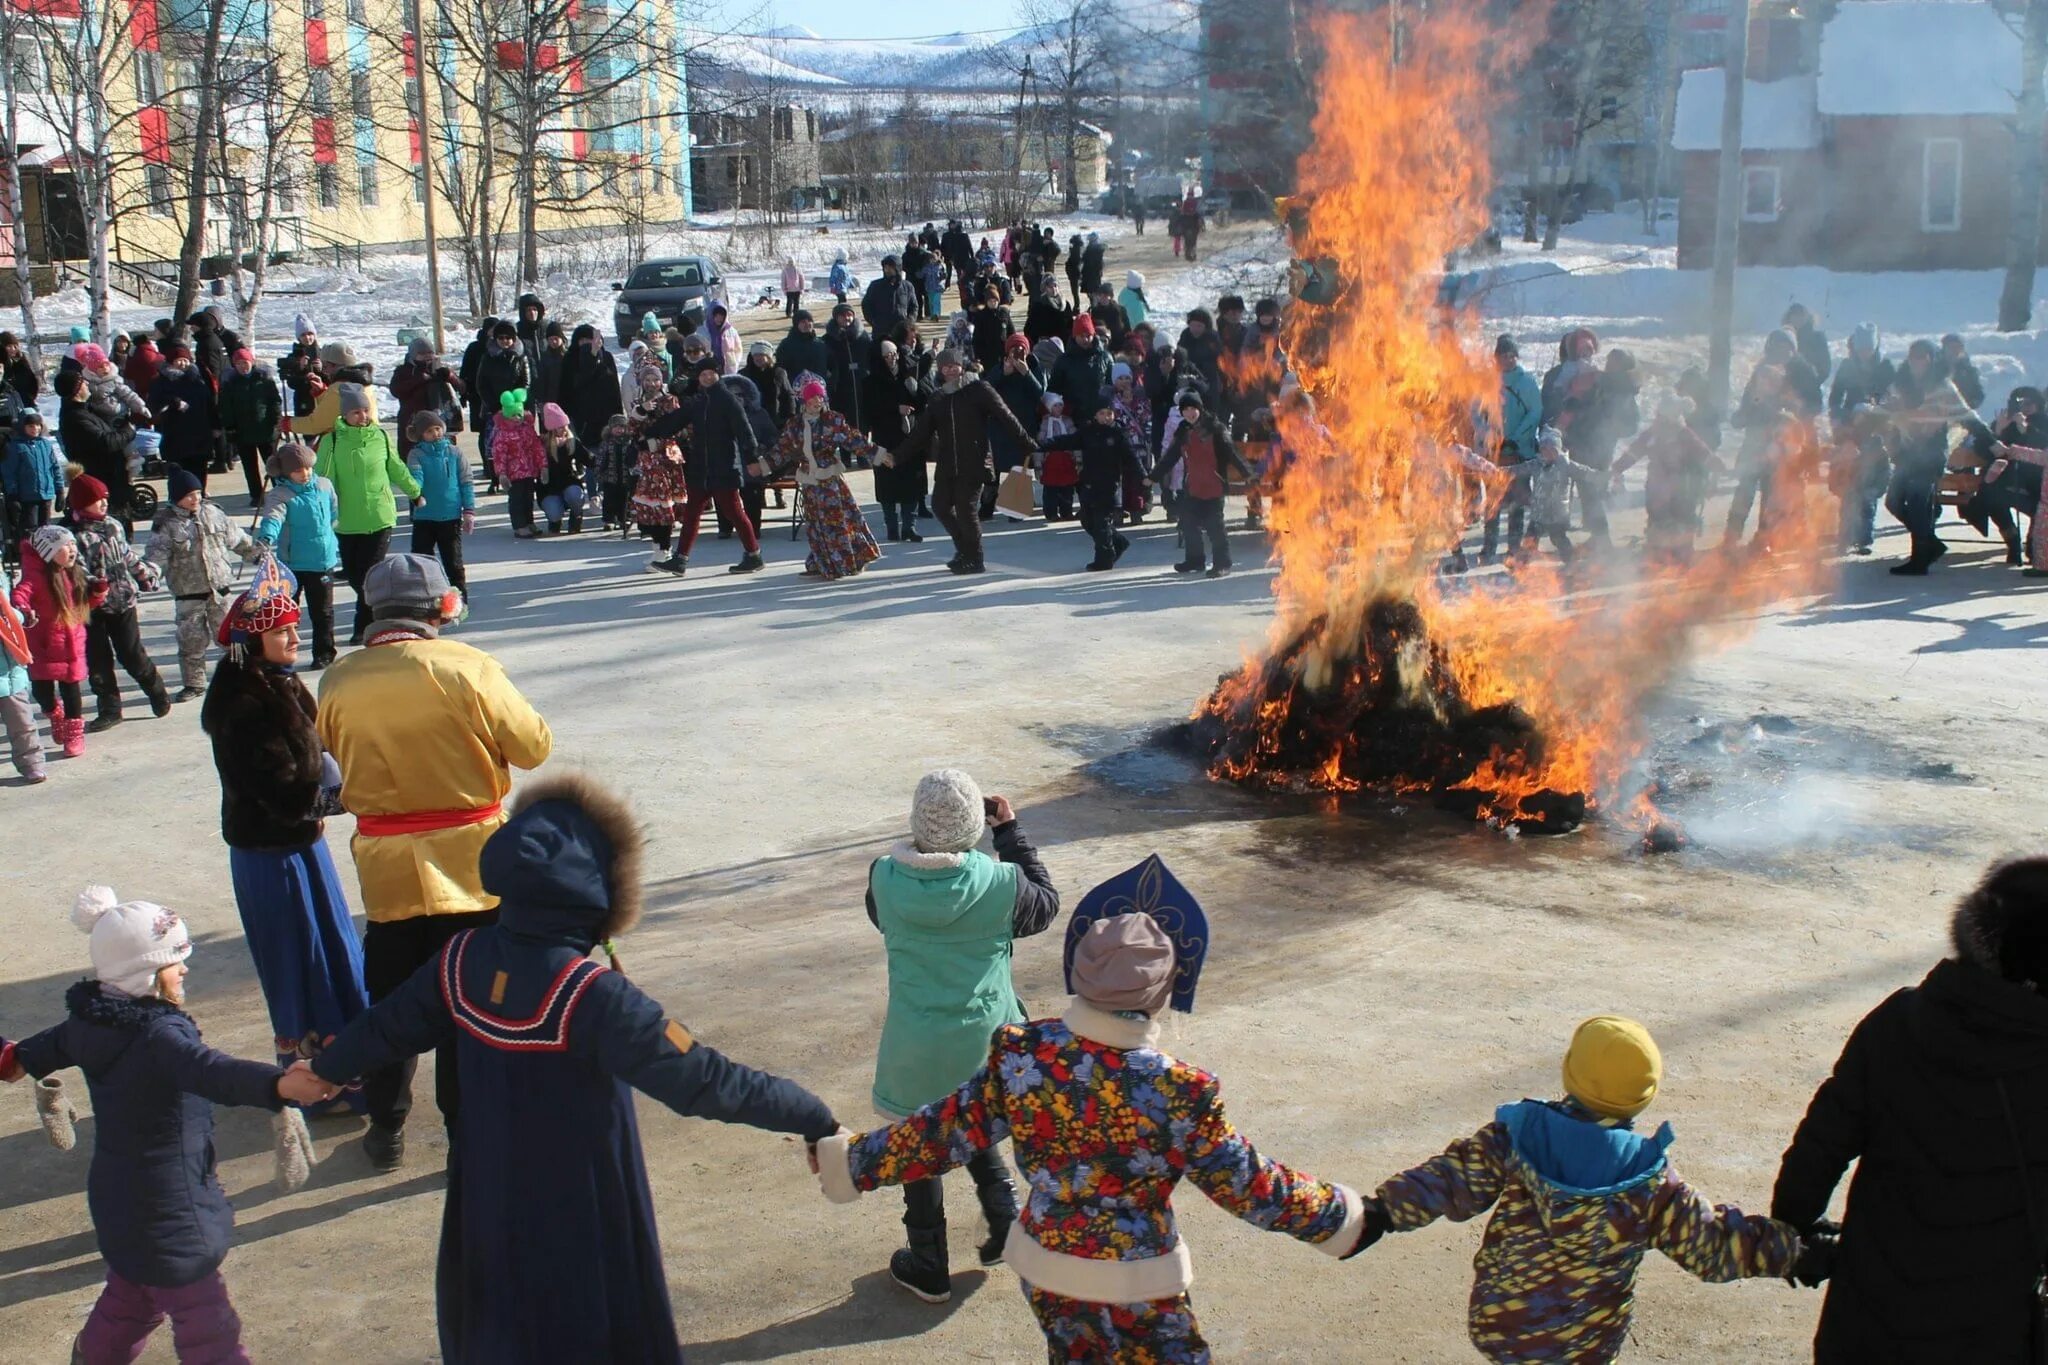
(871, 18)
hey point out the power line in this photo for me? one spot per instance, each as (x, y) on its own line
(1012, 31)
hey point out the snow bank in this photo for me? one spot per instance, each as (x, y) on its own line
(1777, 116)
(1918, 57)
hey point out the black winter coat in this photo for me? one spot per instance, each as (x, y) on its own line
(267, 752)
(766, 430)
(1205, 353)
(590, 390)
(992, 327)
(251, 407)
(158, 1211)
(954, 431)
(1107, 457)
(799, 354)
(722, 441)
(97, 442)
(497, 374)
(772, 390)
(424, 388)
(888, 302)
(1858, 381)
(890, 429)
(846, 364)
(23, 379)
(1082, 378)
(1938, 1260)
(298, 368)
(188, 431)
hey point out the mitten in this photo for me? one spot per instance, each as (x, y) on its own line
(59, 1119)
(1816, 1260)
(295, 1155)
(468, 522)
(1377, 1225)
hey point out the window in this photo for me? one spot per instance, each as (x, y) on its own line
(1760, 194)
(419, 183)
(1610, 108)
(666, 275)
(366, 183)
(156, 183)
(1941, 185)
(326, 186)
(320, 89)
(149, 78)
(359, 13)
(359, 91)
(316, 10)
(581, 179)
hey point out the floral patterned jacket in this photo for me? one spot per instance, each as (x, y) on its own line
(1103, 1126)
(1576, 1208)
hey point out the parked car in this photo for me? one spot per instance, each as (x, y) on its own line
(676, 289)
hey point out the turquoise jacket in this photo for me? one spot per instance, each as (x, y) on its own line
(444, 481)
(31, 470)
(948, 922)
(298, 518)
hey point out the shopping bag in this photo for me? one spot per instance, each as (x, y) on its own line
(1013, 495)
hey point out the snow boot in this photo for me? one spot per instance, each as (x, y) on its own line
(1118, 546)
(751, 562)
(74, 736)
(106, 720)
(384, 1145)
(911, 537)
(677, 565)
(999, 1206)
(968, 566)
(160, 698)
(921, 1267)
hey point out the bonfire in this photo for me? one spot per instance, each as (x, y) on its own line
(1520, 702)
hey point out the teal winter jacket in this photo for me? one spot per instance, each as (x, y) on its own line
(298, 518)
(444, 481)
(948, 921)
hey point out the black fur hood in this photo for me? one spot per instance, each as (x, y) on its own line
(89, 1003)
(2002, 925)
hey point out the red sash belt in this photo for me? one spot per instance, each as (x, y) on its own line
(426, 821)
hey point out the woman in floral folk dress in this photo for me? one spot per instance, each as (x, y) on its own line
(816, 444)
(1104, 1125)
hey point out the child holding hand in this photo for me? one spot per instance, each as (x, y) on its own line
(1058, 468)
(447, 509)
(161, 1218)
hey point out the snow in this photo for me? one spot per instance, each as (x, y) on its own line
(1918, 57)
(1777, 116)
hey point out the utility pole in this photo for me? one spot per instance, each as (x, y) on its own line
(1023, 79)
(424, 48)
(1728, 204)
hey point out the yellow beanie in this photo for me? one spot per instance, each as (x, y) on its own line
(1613, 1067)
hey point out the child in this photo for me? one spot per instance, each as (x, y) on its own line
(1108, 464)
(189, 543)
(658, 495)
(1134, 414)
(119, 575)
(56, 603)
(1058, 470)
(1201, 440)
(1104, 1126)
(949, 916)
(161, 1218)
(1681, 470)
(31, 475)
(520, 459)
(1578, 1198)
(447, 510)
(931, 280)
(561, 488)
(298, 519)
(17, 712)
(1551, 476)
(617, 455)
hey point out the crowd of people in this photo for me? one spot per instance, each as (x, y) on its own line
(1906, 434)
(485, 917)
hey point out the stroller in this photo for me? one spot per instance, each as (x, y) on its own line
(145, 461)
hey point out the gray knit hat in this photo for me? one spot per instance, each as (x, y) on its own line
(951, 356)
(408, 582)
(354, 398)
(946, 814)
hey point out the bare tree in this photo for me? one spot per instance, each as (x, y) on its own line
(2023, 243)
(206, 145)
(1069, 48)
(12, 41)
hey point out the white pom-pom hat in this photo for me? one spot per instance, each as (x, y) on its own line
(131, 940)
(946, 814)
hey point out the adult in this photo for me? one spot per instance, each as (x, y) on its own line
(19, 375)
(1203, 349)
(888, 301)
(299, 367)
(209, 345)
(251, 410)
(1956, 366)
(97, 442)
(338, 366)
(530, 327)
(721, 446)
(958, 248)
(792, 287)
(1808, 339)
(1082, 375)
(1924, 402)
(1190, 223)
(183, 406)
(549, 1245)
(144, 362)
(1521, 417)
(953, 433)
(815, 447)
(1568, 385)
(721, 340)
(992, 327)
(472, 357)
(547, 367)
(1091, 265)
(1132, 298)
(2016, 487)
(426, 732)
(771, 383)
(1112, 323)
(767, 432)
(590, 385)
(846, 362)
(424, 384)
(1020, 383)
(274, 778)
(360, 460)
(1864, 376)
(802, 352)
(1075, 247)
(502, 368)
(897, 393)
(1941, 1098)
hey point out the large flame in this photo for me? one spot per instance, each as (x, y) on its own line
(1380, 673)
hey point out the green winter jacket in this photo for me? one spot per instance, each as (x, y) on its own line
(250, 407)
(363, 465)
(948, 922)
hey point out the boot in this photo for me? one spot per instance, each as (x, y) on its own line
(160, 698)
(384, 1145)
(107, 719)
(677, 565)
(968, 566)
(750, 562)
(910, 535)
(74, 736)
(999, 1206)
(921, 1267)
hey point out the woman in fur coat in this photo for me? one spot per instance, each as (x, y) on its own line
(275, 782)
(549, 1250)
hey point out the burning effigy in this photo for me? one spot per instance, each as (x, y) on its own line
(1517, 702)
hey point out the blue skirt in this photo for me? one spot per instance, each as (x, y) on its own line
(307, 955)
